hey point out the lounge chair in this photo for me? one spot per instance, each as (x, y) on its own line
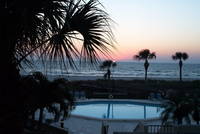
(140, 129)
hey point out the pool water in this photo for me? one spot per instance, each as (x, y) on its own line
(117, 110)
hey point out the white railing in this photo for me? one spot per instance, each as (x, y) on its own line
(160, 129)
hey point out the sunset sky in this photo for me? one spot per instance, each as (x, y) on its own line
(163, 26)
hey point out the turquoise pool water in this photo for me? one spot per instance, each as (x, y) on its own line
(117, 110)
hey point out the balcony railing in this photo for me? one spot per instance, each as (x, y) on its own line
(166, 129)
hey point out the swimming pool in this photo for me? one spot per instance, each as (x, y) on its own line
(113, 109)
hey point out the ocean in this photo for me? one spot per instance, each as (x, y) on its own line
(123, 69)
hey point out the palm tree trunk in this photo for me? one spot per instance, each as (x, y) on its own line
(179, 121)
(145, 74)
(33, 116)
(11, 99)
(108, 73)
(146, 65)
(41, 115)
(180, 66)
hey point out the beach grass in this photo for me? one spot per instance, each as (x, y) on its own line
(135, 89)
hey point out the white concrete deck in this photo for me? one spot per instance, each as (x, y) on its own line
(78, 125)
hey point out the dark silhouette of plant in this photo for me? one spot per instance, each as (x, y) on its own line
(42, 88)
(176, 109)
(146, 55)
(45, 28)
(107, 64)
(180, 56)
(46, 94)
(195, 111)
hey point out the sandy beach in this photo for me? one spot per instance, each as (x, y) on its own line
(86, 78)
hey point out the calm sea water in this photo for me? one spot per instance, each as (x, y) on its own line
(123, 69)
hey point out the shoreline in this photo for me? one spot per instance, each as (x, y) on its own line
(89, 78)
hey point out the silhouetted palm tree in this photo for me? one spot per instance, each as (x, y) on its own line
(44, 94)
(107, 64)
(176, 109)
(42, 88)
(180, 56)
(45, 28)
(146, 55)
(195, 111)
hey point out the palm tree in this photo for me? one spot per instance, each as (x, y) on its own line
(176, 109)
(146, 55)
(195, 111)
(44, 94)
(42, 86)
(196, 115)
(107, 64)
(45, 28)
(180, 56)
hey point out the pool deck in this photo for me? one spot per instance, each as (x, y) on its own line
(88, 125)
(133, 100)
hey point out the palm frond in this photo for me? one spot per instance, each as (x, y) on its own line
(48, 30)
(93, 24)
(185, 56)
(114, 64)
(106, 64)
(152, 55)
(180, 55)
(174, 57)
(137, 57)
(145, 54)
